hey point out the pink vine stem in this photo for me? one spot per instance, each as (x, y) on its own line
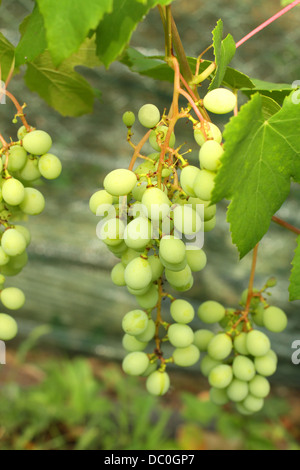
(268, 22)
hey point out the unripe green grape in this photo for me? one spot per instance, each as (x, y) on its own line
(218, 396)
(117, 275)
(37, 142)
(220, 101)
(129, 255)
(186, 220)
(50, 166)
(137, 292)
(13, 191)
(186, 357)
(202, 339)
(4, 258)
(208, 364)
(211, 312)
(259, 387)
(15, 264)
(98, 199)
(135, 322)
(173, 267)
(258, 344)
(145, 168)
(180, 335)
(253, 404)
(118, 250)
(151, 368)
(237, 390)
(242, 410)
(266, 365)
(212, 133)
(132, 344)
(209, 225)
(182, 311)
(204, 184)
(149, 115)
(210, 154)
(156, 204)
(25, 232)
(112, 232)
(158, 383)
(240, 344)
(159, 135)
(187, 179)
(33, 202)
(220, 377)
(209, 210)
(128, 118)
(257, 315)
(137, 234)
(120, 182)
(273, 355)
(149, 332)
(185, 287)
(243, 368)
(8, 327)
(196, 258)
(13, 242)
(135, 363)
(22, 132)
(172, 250)
(139, 190)
(275, 319)
(12, 298)
(148, 300)
(220, 346)
(30, 172)
(17, 158)
(156, 266)
(179, 278)
(165, 172)
(138, 273)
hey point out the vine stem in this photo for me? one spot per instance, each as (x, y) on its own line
(138, 148)
(251, 280)
(18, 107)
(267, 23)
(158, 318)
(285, 225)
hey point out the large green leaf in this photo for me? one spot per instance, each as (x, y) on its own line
(224, 51)
(7, 52)
(33, 41)
(276, 91)
(294, 288)
(68, 22)
(116, 28)
(261, 155)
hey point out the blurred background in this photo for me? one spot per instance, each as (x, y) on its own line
(73, 309)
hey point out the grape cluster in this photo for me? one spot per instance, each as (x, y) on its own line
(22, 164)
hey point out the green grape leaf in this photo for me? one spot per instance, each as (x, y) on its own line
(224, 51)
(261, 155)
(115, 29)
(86, 55)
(276, 91)
(61, 87)
(7, 53)
(33, 41)
(237, 80)
(294, 288)
(68, 23)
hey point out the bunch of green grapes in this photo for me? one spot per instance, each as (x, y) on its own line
(22, 164)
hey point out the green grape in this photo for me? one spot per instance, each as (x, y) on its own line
(220, 346)
(273, 355)
(132, 344)
(120, 182)
(13, 191)
(135, 322)
(209, 211)
(22, 132)
(128, 118)
(156, 204)
(129, 255)
(218, 396)
(139, 190)
(137, 292)
(202, 339)
(184, 288)
(135, 363)
(98, 199)
(220, 101)
(157, 267)
(50, 166)
(145, 168)
(266, 365)
(158, 383)
(111, 232)
(220, 377)
(37, 142)
(196, 258)
(33, 202)
(25, 232)
(210, 154)
(13, 242)
(30, 172)
(15, 264)
(149, 332)
(275, 319)
(242, 410)
(165, 172)
(187, 179)
(254, 301)
(182, 311)
(159, 136)
(186, 357)
(118, 250)
(180, 335)
(259, 387)
(4, 258)
(138, 273)
(8, 327)
(208, 364)
(243, 368)
(149, 115)
(148, 300)
(258, 344)
(211, 131)
(204, 184)
(258, 315)
(179, 278)
(186, 220)
(211, 312)
(253, 404)
(237, 390)
(209, 225)
(151, 368)
(17, 158)
(137, 234)
(117, 275)
(172, 250)
(240, 344)
(12, 298)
